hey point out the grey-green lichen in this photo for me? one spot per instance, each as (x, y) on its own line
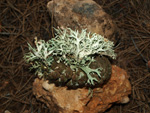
(75, 49)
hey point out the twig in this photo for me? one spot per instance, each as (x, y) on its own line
(145, 60)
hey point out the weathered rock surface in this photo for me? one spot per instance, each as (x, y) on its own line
(83, 14)
(63, 100)
(73, 79)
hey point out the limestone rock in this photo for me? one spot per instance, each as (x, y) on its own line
(63, 100)
(83, 14)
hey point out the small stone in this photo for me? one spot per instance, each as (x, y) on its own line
(125, 100)
(6, 111)
(47, 86)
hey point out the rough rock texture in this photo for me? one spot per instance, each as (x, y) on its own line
(63, 100)
(73, 79)
(83, 14)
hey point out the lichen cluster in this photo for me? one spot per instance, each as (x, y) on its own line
(73, 48)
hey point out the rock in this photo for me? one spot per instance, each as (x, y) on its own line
(6, 111)
(64, 76)
(83, 14)
(63, 100)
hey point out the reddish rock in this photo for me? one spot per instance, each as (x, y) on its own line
(83, 14)
(63, 100)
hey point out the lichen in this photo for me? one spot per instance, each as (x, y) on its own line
(73, 48)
